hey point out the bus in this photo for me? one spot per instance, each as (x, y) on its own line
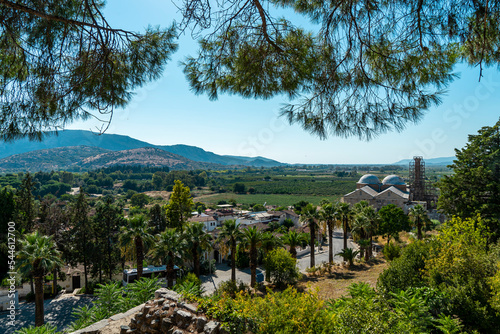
(130, 275)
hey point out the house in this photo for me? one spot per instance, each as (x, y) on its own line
(209, 222)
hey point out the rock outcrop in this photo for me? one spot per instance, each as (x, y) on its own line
(167, 313)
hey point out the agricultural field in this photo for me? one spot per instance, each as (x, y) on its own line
(269, 199)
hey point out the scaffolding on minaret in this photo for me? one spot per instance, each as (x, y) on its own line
(420, 188)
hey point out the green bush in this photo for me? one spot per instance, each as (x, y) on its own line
(391, 251)
(207, 267)
(30, 297)
(407, 270)
(242, 257)
(189, 286)
(288, 311)
(282, 267)
(91, 288)
(230, 288)
(112, 298)
(348, 254)
(45, 329)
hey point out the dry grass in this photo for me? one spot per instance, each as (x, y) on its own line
(334, 284)
(163, 194)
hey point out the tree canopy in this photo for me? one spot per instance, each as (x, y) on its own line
(474, 188)
(350, 68)
(60, 61)
(364, 67)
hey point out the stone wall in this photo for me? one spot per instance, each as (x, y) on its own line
(167, 313)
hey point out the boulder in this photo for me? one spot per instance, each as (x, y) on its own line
(212, 327)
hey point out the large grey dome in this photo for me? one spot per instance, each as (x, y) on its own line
(393, 180)
(369, 179)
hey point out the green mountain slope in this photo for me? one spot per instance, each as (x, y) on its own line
(119, 142)
(66, 158)
(82, 158)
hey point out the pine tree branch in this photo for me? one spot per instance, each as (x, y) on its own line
(50, 17)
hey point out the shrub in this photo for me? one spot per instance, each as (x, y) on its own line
(140, 200)
(45, 329)
(112, 298)
(91, 287)
(230, 288)
(288, 311)
(242, 257)
(207, 267)
(348, 254)
(282, 267)
(391, 251)
(190, 287)
(461, 267)
(142, 290)
(30, 297)
(405, 271)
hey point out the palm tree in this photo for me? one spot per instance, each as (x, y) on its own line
(348, 254)
(365, 225)
(197, 241)
(269, 242)
(345, 215)
(37, 256)
(373, 221)
(169, 249)
(310, 216)
(230, 232)
(359, 232)
(418, 215)
(293, 240)
(329, 215)
(136, 236)
(252, 239)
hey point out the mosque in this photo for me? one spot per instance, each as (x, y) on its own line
(392, 190)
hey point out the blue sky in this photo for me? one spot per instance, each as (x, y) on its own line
(166, 112)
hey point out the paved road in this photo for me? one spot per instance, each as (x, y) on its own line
(321, 255)
(57, 311)
(223, 270)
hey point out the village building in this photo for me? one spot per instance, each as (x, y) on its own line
(209, 222)
(392, 190)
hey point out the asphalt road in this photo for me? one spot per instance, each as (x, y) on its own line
(223, 270)
(57, 311)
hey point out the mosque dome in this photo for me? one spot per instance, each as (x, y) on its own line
(369, 179)
(393, 180)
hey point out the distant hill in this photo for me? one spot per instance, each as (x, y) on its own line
(65, 158)
(81, 158)
(147, 156)
(445, 161)
(119, 143)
